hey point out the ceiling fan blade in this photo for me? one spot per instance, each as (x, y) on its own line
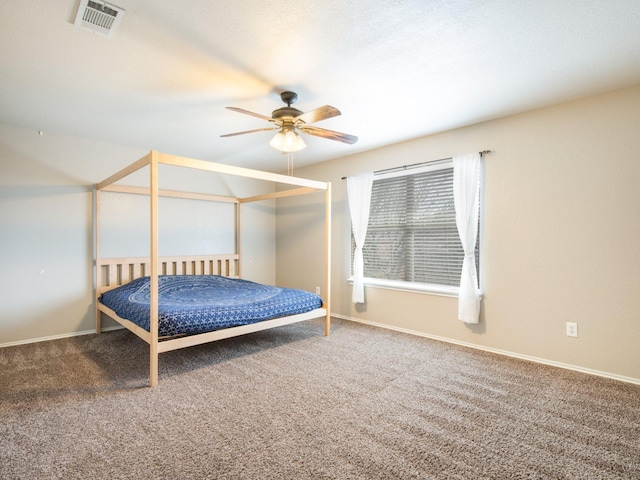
(249, 131)
(253, 114)
(331, 135)
(321, 113)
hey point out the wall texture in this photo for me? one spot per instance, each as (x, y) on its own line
(47, 235)
(561, 229)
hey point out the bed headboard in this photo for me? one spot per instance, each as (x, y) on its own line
(113, 272)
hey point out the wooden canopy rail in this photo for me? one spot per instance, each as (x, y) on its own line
(111, 273)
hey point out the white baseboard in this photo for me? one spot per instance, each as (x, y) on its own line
(56, 337)
(507, 353)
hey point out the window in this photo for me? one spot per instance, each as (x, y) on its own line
(412, 240)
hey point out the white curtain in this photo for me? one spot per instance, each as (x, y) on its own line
(359, 195)
(466, 196)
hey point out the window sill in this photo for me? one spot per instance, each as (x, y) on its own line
(428, 288)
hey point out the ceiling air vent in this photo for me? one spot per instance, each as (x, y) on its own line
(98, 17)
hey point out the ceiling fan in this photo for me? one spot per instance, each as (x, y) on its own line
(289, 121)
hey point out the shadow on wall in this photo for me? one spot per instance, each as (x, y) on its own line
(479, 328)
(59, 319)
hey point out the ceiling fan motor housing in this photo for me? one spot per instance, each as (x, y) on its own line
(286, 112)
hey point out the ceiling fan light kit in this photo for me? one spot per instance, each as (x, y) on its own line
(287, 141)
(290, 121)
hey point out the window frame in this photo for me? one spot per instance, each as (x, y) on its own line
(421, 287)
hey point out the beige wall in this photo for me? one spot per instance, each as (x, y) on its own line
(46, 227)
(561, 234)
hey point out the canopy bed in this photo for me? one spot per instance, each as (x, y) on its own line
(181, 301)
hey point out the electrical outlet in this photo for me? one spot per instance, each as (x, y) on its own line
(572, 329)
(317, 290)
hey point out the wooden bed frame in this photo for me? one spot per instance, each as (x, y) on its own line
(111, 273)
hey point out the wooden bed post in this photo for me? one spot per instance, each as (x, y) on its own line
(98, 277)
(327, 288)
(239, 238)
(153, 293)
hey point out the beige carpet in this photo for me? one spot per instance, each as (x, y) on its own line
(289, 403)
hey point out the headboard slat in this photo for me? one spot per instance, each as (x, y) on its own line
(118, 271)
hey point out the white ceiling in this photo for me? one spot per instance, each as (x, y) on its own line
(397, 69)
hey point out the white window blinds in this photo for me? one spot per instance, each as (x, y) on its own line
(412, 234)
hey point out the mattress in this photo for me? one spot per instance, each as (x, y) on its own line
(192, 304)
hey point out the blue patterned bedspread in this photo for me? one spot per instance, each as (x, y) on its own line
(191, 304)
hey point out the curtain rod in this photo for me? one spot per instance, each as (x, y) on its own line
(416, 165)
